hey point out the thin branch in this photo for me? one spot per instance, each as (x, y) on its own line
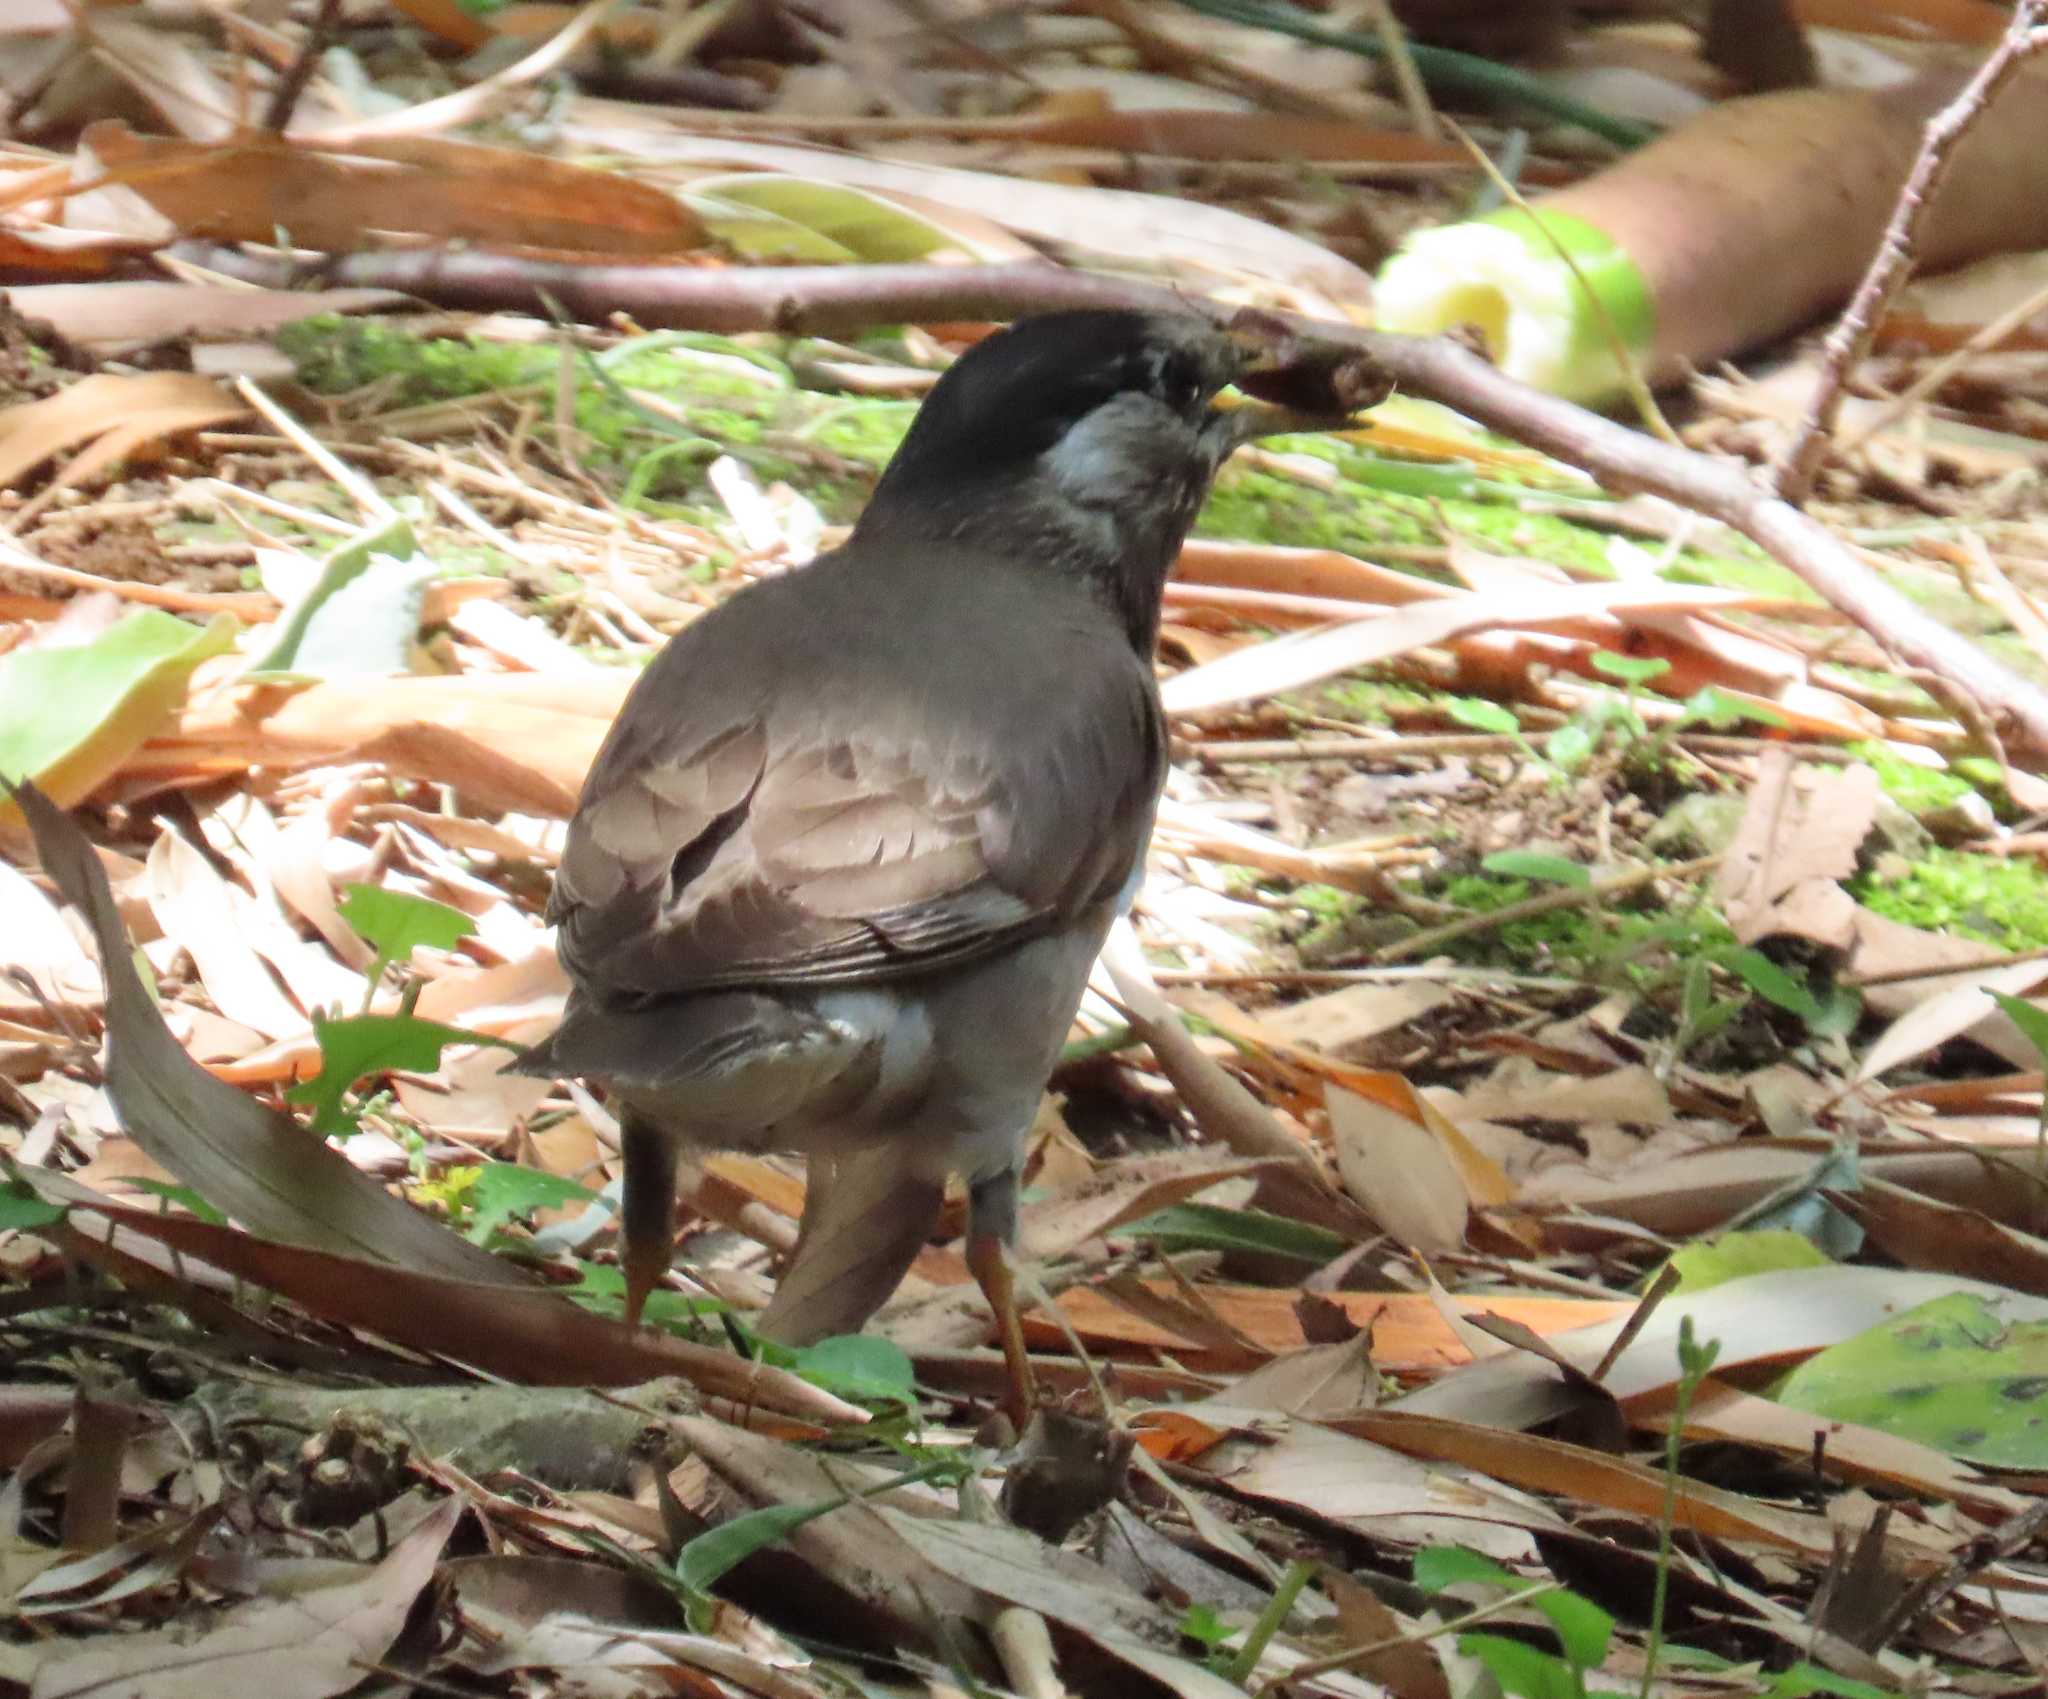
(1853, 333)
(830, 300)
(284, 99)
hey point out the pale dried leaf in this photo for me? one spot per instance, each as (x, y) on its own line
(298, 1646)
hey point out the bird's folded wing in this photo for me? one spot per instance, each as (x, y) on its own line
(745, 858)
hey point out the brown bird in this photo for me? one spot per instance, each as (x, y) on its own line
(842, 866)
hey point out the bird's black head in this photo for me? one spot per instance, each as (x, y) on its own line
(1081, 442)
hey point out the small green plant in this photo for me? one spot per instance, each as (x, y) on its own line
(1701, 1012)
(354, 1048)
(1829, 1013)
(1610, 719)
(1695, 1362)
(1481, 715)
(1201, 1624)
(394, 923)
(1582, 1628)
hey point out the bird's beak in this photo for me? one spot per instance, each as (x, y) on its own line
(1288, 385)
(1246, 420)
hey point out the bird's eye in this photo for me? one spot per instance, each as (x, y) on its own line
(1179, 385)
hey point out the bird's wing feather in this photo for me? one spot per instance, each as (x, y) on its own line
(749, 845)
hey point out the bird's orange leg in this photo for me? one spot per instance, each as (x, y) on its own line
(992, 1228)
(647, 1210)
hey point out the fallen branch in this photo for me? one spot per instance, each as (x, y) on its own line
(828, 300)
(1893, 262)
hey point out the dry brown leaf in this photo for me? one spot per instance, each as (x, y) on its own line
(1008, 1565)
(519, 742)
(1118, 1192)
(256, 1165)
(1334, 1476)
(39, 945)
(1720, 1412)
(523, 1332)
(119, 415)
(1963, 1005)
(1771, 1319)
(305, 1645)
(248, 187)
(1343, 1021)
(1399, 1171)
(1316, 1381)
(1409, 1334)
(1304, 658)
(1798, 840)
(1323, 573)
(1594, 1477)
(116, 318)
(1920, 1233)
(196, 908)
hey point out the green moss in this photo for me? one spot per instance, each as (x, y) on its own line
(1918, 790)
(1990, 898)
(1366, 700)
(729, 395)
(1635, 947)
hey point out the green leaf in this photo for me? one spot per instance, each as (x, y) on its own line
(602, 1287)
(2032, 1021)
(1630, 669)
(1569, 746)
(393, 922)
(1734, 1255)
(1204, 1227)
(69, 716)
(1584, 1630)
(505, 1189)
(1803, 1679)
(362, 615)
(1710, 705)
(1483, 716)
(1534, 864)
(360, 1045)
(1438, 1567)
(1201, 1624)
(770, 216)
(704, 1561)
(859, 1365)
(1953, 1373)
(1520, 1668)
(184, 1197)
(21, 1208)
(1772, 983)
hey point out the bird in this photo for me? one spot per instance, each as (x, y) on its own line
(844, 861)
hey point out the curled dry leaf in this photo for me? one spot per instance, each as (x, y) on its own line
(252, 1163)
(303, 1645)
(117, 414)
(112, 319)
(230, 191)
(1798, 840)
(522, 1331)
(1289, 663)
(1396, 1167)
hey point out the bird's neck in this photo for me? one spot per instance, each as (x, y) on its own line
(1120, 552)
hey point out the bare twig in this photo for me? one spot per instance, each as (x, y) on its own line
(1994, 1545)
(1851, 337)
(284, 99)
(826, 300)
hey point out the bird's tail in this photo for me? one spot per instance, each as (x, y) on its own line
(865, 1219)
